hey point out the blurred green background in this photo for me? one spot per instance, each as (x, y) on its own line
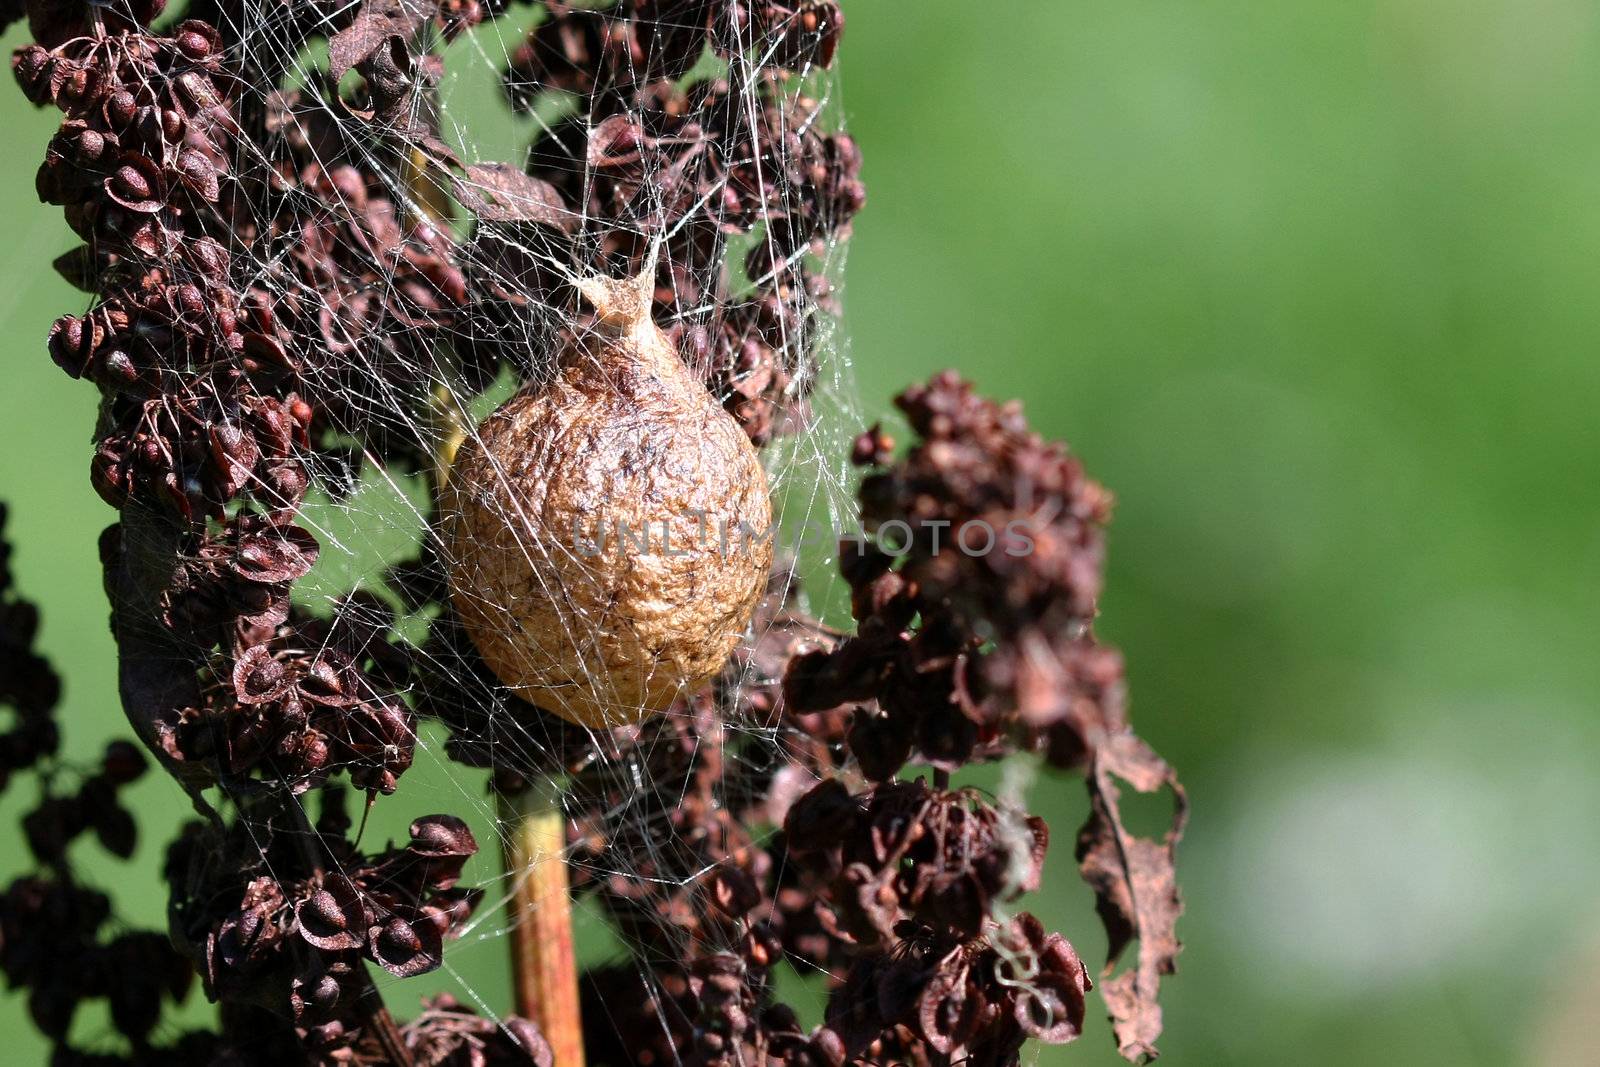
(1313, 288)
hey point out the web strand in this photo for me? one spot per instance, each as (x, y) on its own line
(399, 372)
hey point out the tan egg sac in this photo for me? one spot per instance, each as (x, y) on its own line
(608, 533)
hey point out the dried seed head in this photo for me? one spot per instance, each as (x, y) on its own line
(609, 532)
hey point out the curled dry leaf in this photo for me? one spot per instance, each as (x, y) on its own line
(1135, 886)
(374, 24)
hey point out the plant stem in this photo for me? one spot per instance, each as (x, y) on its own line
(382, 1023)
(450, 424)
(543, 969)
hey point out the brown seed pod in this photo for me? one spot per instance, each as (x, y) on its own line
(609, 532)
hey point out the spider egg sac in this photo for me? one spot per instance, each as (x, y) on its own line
(608, 533)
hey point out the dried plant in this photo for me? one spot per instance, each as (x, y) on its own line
(298, 283)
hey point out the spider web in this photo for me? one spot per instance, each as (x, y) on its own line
(407, 382)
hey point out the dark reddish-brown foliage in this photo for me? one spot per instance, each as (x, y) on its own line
(264, 285)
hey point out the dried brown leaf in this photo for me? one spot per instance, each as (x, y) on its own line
(375, 23)
(80, 268)
(500, 192)
(1135, 886)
